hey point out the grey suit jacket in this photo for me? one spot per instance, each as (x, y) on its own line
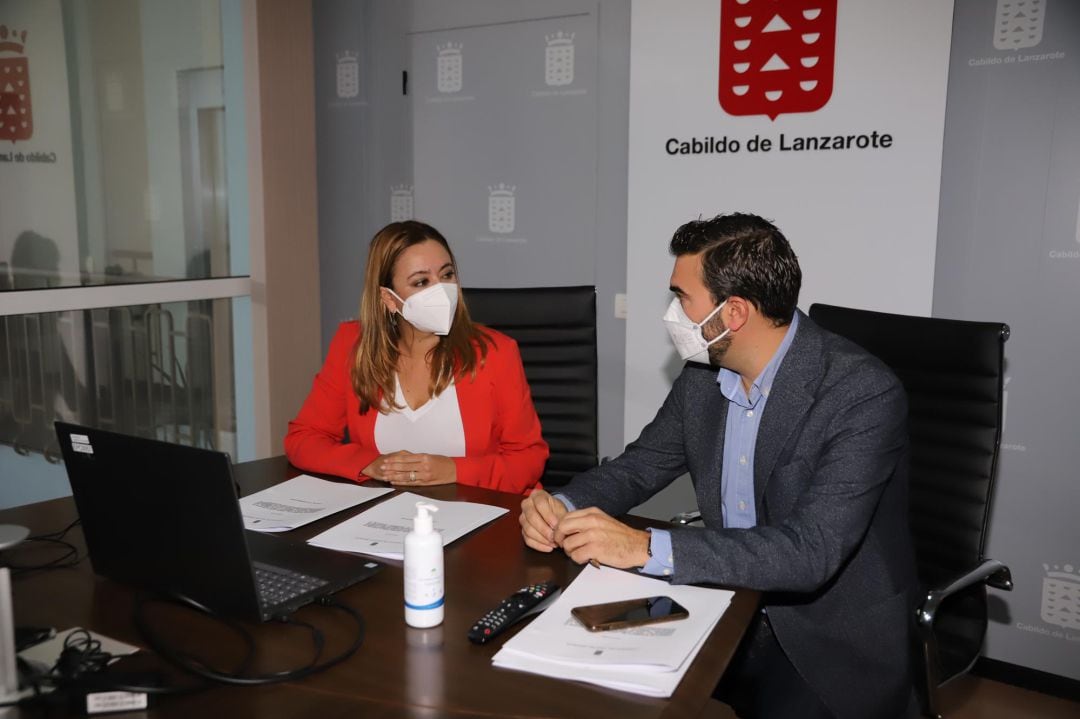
(832, 548)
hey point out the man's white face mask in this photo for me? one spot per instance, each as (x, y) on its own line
(689, 342)
(432, 308)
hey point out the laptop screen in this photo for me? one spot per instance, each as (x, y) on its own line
(160, 516)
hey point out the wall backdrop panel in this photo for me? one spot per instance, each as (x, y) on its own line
(504, 137)
(1009, 250)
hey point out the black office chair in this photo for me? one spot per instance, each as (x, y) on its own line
(953, 373)
(555, 328)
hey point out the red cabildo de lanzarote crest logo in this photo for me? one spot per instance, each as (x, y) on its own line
(16, 119)
(776, 56)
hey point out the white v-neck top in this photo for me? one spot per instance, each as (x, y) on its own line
(433, 428)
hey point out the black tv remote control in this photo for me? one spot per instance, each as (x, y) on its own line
(522, 603)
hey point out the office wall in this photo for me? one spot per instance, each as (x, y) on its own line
(519, 160)
(1009, 250)
(363, 139)
(519, 143)
(283, 211)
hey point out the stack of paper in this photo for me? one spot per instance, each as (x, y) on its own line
(649, 660)
(381, 530)
(301, 500)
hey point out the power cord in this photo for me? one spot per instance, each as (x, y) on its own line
(83, 662)
(81, 655)
(202, 669)
(81, 671)
(59, 534)
(69, 558)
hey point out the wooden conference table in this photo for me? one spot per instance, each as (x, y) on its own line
(399, 671)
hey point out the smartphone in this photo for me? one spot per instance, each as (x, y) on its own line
(629, 613)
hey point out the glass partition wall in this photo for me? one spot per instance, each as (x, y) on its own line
(123, 282)
(162, 370)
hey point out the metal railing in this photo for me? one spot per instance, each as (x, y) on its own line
(126, 369)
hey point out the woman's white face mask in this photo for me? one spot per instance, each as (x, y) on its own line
(686, 334)
(432, 308)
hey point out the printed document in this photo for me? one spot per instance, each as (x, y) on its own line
(302, 500)
(650, 659)
(381, 530)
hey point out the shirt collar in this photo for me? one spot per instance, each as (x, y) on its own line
(731, 384)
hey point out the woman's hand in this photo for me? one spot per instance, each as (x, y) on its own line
(405, 469)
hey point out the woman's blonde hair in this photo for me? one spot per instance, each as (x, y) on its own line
(375, 357)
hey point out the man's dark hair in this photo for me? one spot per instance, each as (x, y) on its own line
(746, 256)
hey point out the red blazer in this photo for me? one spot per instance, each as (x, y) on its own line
(503, 446)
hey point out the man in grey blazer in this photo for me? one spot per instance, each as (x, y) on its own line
(798, 454)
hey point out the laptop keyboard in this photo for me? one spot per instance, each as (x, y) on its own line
(277, 585)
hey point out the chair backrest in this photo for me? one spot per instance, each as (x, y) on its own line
(952, 372)
(555, 328)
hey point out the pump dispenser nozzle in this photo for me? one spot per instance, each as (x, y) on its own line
(422, 522)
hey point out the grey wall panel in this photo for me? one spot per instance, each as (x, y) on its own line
(1009, 250)
(504, 136)
(613, 129)
(343, 110)
(364, 142)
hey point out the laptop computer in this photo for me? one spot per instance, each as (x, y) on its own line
(166, 517)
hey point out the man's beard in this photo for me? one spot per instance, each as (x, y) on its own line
(718, 349)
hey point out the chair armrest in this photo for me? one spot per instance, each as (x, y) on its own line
(684, 518)
(990, 571)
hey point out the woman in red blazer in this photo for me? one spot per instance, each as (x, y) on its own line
(462, 384)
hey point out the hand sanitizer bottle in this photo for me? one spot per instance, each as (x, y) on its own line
(423, 570)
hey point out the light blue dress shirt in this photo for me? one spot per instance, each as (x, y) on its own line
(740, 436)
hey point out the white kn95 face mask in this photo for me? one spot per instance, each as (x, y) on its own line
(432, 308)
(686, 334)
